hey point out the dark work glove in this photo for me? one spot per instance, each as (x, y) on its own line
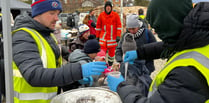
(117, 39)
(98, 39)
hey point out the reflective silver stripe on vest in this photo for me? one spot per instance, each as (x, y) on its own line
(98, 29)
(111, 59)
(16, 73)
(111, 40)
(119, 28)
(104, 32)
(34, 96)
(195, 55)
(101, 43)
(111, 36)
(43, 55)
(102, 39)
(111, 44)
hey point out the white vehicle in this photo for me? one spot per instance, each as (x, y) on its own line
(81, 17)
(63, 18)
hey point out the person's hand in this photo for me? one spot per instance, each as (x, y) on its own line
(93, 68)
(130, 56)
(87, 80)
(113, 82)
(131, 62)
(117, 39)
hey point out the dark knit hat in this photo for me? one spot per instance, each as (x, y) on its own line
(167, 16)
(91, 46)
(128, 43)
(108, 3)
(41, 6)
(140, 11)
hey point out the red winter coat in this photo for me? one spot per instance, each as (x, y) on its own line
(92, 29)
(108, 28)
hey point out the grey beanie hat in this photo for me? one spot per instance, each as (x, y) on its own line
(133, 21)
(128, 43)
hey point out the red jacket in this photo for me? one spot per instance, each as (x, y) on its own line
(92, 29)
(108, 28)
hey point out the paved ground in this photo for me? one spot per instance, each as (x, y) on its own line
(159, 63)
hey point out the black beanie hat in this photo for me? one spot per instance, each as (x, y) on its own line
(128, 43)
(108, 3)
(91, 46)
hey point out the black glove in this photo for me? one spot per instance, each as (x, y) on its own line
(117, 39)
(98, 39)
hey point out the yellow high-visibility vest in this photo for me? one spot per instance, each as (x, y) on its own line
(142, 16)
(24, 92)
(198, 58)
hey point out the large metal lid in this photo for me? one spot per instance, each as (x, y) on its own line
(88, 95)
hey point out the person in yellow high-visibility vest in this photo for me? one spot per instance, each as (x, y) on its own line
(142, 18)
(184, 78)
(37, 65)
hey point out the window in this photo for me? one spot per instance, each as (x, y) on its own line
(65, 1)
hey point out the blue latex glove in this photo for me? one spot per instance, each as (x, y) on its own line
(113, 82)
(87, 80)
(130, 56)
(131, 62)
(93, 68)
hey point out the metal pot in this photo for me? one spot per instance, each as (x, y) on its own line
(88, 95)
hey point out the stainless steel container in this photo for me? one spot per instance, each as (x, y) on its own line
(88, 95)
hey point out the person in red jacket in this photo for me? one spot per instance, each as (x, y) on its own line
(108, 31)
(91, 25)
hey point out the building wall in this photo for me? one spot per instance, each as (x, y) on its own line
(71, 5)
(115, 2)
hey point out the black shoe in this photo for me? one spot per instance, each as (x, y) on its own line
(110, 63)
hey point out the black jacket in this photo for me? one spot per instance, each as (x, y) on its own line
(150, 51)
(27, 58)
(141, 39)
(192, 89)
(183, 84)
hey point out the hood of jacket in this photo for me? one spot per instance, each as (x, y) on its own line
(196, 28)
(167, 16)
(108, 3)
(79, 56)
(27, 21)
